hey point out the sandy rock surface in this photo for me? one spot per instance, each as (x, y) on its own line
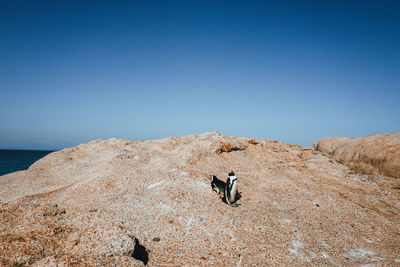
(374, 154)
(106, 202)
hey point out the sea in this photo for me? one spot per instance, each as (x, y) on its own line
(18, 160)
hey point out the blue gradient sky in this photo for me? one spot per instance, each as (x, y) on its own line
(295, 71)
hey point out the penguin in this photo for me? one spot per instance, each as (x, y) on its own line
(217, 185)
(230, 193)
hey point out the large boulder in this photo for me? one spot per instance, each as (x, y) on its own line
(374, 154)
(119, 202)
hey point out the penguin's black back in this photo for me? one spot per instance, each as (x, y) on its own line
(217, 184)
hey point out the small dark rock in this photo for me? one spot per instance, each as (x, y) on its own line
(58, 231)
(54, 212)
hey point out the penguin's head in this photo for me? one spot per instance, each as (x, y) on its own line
(212, 177)
(231, 174)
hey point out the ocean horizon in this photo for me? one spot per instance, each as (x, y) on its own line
(12, 160)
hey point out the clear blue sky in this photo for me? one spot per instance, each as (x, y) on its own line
(294, 71)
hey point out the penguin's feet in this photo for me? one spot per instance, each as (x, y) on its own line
(234, 204)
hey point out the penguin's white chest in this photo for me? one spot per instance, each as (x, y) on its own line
(233, 192)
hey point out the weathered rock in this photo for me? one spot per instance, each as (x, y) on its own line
(374, 154)
(109, 201)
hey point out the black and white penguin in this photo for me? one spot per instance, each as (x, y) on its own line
(230, 192)
(217, 185)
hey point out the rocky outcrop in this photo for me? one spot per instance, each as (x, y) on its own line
(375, 154)
(120, 202)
